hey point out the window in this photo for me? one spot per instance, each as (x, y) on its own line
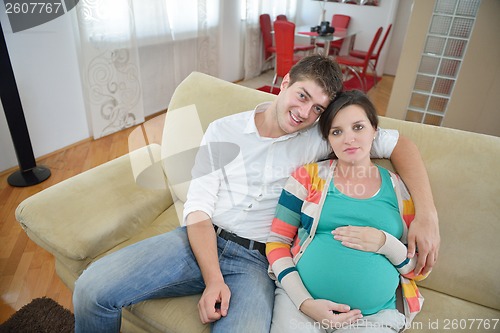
(115, 20)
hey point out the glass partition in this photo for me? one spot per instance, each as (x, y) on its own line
(446, 43)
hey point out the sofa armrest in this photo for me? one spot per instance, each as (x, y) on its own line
(92, 212)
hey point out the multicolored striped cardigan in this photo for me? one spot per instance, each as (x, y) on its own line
(295, 223)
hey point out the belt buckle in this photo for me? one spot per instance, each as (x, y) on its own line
(218, 229)
(232, 236)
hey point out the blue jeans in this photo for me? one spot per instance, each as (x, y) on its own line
(164, 266)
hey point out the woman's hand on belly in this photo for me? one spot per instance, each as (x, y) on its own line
(366, 239)
(322, 311)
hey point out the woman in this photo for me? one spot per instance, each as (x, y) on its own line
(336, 246)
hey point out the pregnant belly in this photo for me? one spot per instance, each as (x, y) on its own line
(362, 280)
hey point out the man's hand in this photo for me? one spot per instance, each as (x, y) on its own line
(424, 236)
(321, 310)
(214, 302)
(366, 239)
(424, 230)
(203, 241)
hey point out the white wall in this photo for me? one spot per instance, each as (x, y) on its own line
(366, 19)
(45, 65)
(397, 37)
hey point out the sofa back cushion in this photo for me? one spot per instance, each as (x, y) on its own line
(215, 98)
(463, 169)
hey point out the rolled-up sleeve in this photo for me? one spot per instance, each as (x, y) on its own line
(384, 143)
(205, 182)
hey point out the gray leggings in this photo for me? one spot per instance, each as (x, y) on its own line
(287, 318)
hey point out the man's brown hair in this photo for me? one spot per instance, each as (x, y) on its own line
(320, 69)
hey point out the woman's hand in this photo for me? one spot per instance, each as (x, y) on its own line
(366, 239)
(322, 311)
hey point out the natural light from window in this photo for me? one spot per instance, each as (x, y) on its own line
(115, 21)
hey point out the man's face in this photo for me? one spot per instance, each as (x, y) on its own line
(299, 105)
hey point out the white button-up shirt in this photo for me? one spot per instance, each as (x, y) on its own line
(239, 175)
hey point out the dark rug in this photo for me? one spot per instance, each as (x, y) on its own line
(41, 315)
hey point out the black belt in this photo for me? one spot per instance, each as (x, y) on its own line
(246, 243)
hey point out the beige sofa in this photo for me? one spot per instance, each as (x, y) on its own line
(99, 211)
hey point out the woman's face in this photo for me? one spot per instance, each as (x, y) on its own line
(351, 135)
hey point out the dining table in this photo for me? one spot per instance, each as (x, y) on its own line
(326, 39)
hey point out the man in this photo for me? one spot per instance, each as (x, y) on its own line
(228, 214)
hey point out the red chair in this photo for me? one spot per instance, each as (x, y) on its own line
(374, 57)
(339, 21)
(284, 33)
(281, 17)
(267, 36)
(357, 66)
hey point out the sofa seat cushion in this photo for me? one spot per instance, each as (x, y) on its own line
(80, 218)
(165, 222)
(177, 314)
(441, 313)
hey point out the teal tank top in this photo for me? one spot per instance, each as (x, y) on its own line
(363, 280)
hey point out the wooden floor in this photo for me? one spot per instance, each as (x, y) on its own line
(381, 94)
(26, 270)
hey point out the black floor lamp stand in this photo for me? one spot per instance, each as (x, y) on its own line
(29, 173)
